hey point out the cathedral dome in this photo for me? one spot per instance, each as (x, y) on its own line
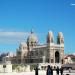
(32, 38)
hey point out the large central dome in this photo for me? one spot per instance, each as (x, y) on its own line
(32, 38)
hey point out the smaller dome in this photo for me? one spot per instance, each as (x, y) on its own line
(23, 44)
(60, 35)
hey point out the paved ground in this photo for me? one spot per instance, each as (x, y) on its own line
(33, 73)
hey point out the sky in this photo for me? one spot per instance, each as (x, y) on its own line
(18, 17)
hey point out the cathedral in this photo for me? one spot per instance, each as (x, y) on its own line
(33, 52)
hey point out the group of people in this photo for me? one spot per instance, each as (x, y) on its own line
(50, 70)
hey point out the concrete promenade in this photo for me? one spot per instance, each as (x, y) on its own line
(33, 73)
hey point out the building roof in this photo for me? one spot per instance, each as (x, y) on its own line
(71, 56)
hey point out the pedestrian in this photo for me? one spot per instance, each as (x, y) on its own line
(69, 70)
(54, 70)
(48, 70)
(61, 70)
(51, 70)
(36, 70)
(54, 67)
(57, 70)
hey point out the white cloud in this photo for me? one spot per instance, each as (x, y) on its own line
(72, 4)
(12, 37)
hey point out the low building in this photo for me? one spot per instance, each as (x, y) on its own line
(5, 65)
(69, 58)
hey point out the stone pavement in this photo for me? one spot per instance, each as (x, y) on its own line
(69, 73)
(33, 73)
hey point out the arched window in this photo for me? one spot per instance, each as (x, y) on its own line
(57, 57)
(62, 61)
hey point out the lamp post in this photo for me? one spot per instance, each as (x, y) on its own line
(44, 59)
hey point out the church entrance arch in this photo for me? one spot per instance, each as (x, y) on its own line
(57, 57)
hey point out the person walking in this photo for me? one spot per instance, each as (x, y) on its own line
(51, 70)
(57, 70)
(48, 70)
(36, 70)
(61, 70)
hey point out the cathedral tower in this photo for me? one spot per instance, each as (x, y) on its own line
(50, 37)
(50, 46)
(55, 50)
(60, 38)
(60, 43)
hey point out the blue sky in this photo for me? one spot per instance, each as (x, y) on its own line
(18, 17)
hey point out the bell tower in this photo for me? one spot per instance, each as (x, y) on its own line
(50, 37)
(60, 44)
(50, 46)
(60, 38)
(55, 50)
